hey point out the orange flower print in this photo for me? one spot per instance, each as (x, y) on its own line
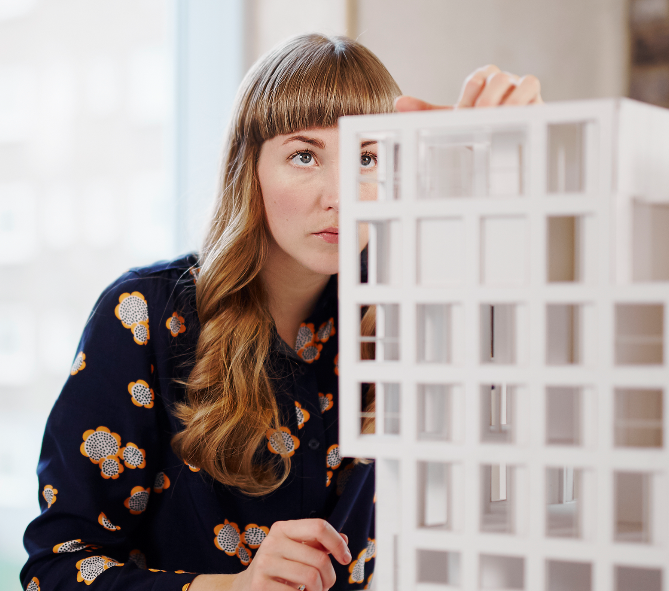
(33, 585)
(371, 549)
(282, 441)
(310, 352)
(71, 546)
(227, 537)
(133, 312)
(132, 309)
(369, 582)
(328, 477)
(305, 336)
(161, 482)
(306, 343)
(140, 393)
(93, 566)
(138, 500)
(79, 363)
(325, 401)
(333, 458)
(244, 555)
(140, 333)
(138, 558)
(343, 478)
(326, 330)
(133, 457)
(104, 522)
(110, 467)
(49, 493)
(336, 363)
(357, 568)
(191, 467)
(99, 444)
(175, 324)
(186, 587)
(254, 535)
(302, 415)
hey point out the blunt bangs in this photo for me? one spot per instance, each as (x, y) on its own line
(311, 81)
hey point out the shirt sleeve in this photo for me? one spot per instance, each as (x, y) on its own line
(101, 446)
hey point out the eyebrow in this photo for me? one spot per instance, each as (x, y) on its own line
(306, 139)
(318, 143)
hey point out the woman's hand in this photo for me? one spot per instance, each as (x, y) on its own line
(293, 554)
(485, 87)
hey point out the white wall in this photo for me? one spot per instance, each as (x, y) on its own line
(578, 48)
(274, 20)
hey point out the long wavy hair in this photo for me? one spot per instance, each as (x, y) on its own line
(309, 81)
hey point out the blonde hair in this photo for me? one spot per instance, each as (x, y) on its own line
(309, 81)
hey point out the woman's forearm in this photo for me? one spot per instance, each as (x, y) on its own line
(213, 583)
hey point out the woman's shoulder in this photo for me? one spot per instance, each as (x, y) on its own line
(155, 292)
(181, 271)
(184, 264)
(157, 283)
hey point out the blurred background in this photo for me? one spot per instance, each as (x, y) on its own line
(111, 119)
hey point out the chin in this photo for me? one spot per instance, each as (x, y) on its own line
(323, 265)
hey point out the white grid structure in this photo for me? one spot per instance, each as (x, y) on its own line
(518, 262)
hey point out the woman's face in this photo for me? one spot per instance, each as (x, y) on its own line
(299, 179)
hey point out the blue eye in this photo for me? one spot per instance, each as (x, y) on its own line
(367, 160)
(302, 159)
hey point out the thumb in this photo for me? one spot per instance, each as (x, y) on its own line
(405, 104)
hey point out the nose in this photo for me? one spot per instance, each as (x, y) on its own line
(330, 194)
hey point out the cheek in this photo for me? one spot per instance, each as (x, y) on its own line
(281, 206)
(368, 192)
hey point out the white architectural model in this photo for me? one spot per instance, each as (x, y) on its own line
(519, 265)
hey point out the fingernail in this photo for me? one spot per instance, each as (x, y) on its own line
(348, 556)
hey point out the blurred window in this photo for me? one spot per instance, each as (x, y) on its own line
(86, 192)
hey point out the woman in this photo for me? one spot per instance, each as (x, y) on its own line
(197, 433)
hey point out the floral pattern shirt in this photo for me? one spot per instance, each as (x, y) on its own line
(119, 510)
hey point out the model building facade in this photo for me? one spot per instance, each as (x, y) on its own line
(518, 266)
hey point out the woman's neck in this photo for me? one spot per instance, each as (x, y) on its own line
(292, 292)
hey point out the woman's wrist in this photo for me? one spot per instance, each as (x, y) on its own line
(213, 583)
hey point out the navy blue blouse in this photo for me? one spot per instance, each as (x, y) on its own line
(120, 510)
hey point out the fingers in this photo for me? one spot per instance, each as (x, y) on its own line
(526, 92)
(303, 554)
(486, 87)
(297, 553)
(316, 531)
(296, 573)
(317, 561)
(497, 88)
(278, 586)
(490, 87)
(404, 104)
(474, 85)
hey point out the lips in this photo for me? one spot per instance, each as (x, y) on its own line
(330, 235)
